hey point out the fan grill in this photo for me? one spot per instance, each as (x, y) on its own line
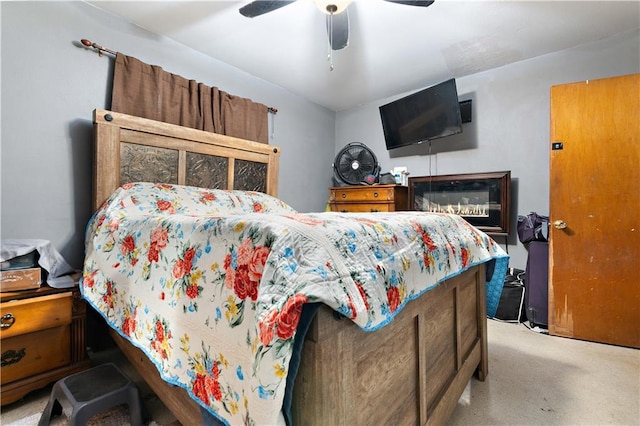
(355, 162)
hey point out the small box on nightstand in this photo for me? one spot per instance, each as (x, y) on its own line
(20, 279)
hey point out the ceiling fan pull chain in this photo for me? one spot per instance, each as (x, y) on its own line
(330, 38)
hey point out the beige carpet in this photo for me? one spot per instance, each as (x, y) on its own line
(537, 379)
(27, 411)
(117, 416)
(534, 379)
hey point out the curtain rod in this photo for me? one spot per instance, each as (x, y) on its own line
(101, 49)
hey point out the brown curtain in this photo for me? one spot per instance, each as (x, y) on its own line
(148, 91)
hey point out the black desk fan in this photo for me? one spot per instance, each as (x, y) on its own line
(355, 164)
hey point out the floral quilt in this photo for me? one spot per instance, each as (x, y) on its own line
(210, 284)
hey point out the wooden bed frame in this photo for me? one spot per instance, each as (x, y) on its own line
(412, 371)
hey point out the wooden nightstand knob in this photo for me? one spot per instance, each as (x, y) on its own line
(7, 321)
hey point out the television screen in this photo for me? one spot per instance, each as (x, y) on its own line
(429, 114)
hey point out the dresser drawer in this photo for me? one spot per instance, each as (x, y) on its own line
(361, 207)
(34, 314)
(383, 194)
(33, 353)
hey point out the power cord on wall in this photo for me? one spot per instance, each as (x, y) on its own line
(430, 178)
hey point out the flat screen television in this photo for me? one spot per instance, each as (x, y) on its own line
(429, 114)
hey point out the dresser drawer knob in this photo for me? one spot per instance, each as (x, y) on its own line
(344, 195)
(7, 321)
(11, 357)
(375, 195)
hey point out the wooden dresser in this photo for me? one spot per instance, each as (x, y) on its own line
(42, 335)
(374, 198)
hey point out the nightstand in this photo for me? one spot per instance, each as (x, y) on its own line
(42, 333)
(365, 198)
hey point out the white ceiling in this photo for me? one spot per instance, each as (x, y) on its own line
(392, 49)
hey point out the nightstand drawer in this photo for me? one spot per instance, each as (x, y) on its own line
(43, 339)
(34, 314)
(375, 198)
(33, 353)
(362, 194)
(361, 207)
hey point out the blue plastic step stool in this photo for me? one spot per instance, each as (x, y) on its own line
(92, 391)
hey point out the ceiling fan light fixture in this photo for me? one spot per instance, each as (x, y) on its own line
(332, 7)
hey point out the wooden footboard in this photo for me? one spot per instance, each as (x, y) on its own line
(412, 371)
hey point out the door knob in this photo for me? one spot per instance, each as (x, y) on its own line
(559, 224)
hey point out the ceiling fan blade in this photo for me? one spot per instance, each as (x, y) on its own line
(421, 3)
(260, 7)
(338, 30)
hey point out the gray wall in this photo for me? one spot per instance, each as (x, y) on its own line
(51, 85)
(510, 127)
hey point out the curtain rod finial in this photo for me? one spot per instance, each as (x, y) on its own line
(99, 48)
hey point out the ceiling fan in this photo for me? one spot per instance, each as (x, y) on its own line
(336, 10)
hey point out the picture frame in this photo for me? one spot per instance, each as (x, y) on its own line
(482, 199)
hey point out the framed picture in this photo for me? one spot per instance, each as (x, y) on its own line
(482, 199)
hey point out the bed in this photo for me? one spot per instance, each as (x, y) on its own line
(236, 309)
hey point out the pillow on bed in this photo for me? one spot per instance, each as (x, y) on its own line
(148, 197)
(259, 202)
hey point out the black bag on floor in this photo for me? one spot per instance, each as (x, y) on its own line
(537, 284)
(511, 307)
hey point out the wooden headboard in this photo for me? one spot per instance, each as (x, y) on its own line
(134, 149)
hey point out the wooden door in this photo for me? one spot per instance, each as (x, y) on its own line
(594, 265)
